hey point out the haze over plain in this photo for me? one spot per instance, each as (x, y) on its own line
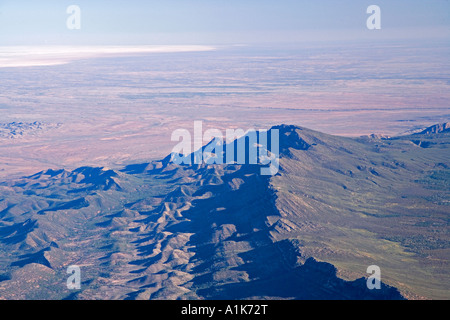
(115, 89)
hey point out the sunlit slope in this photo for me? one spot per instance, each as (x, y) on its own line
(371, 201)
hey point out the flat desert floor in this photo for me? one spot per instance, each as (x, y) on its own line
(118, 108)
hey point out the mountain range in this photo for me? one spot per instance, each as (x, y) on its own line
(158, 230)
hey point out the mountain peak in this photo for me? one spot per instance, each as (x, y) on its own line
(436, 128)
(286, 128)
(290, 137)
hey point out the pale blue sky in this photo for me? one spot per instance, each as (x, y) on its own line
(218, 21)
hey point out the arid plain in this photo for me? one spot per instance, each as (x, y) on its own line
(117, 108)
